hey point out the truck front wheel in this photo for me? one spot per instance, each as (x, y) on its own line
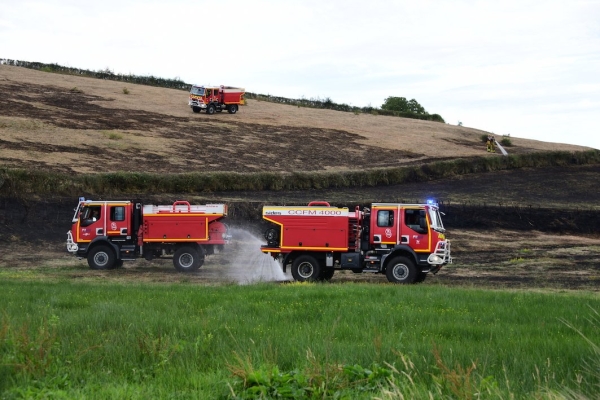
(187, 259)
(232, 109)
(306, 268)
(196, 109)
(401, 270)
(210, 110)
(101, 257)
(421, 277)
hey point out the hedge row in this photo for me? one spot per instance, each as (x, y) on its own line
(20, 182)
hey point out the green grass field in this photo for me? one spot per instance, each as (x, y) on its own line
(95, 340)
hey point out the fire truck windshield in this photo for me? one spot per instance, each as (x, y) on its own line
(436, 220)
(197, 90)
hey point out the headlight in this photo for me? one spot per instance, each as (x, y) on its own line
(435, 259)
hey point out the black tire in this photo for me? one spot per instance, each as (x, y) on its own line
(306, 268)
(210, 110)
(196, 109)
(232, 109)
(401, 270)
(327, 274)
(118, 263)
(101, 257)
(188, 259)
(421, 277)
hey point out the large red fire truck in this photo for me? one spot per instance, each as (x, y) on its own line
(110, 232)
(216, 98)
(403, 241)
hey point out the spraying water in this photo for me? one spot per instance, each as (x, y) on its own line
(248, 264)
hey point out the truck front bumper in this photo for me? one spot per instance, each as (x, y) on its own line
(72, 247)
(194, 103)
(441, 254)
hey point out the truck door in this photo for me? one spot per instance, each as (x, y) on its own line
(384, 225)
(119, 219)
(91, 223)
(414, 229)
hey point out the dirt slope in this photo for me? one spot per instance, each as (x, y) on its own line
(78, 124)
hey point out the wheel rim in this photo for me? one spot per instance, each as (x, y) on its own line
(186, 260)
(400, 272)
(305, 270)
(101, 259)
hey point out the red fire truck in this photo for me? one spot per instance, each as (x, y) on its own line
(403, 241)
(110, 232)
(216, 98)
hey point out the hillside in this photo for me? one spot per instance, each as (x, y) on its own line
(517, 227)
(76, 124)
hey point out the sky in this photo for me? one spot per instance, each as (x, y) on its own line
(528, 69)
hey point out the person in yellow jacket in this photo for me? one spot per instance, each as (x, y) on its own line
(491, 144)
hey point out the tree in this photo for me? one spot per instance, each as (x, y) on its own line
(402, 105)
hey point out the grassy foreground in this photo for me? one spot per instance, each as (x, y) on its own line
(94, 340)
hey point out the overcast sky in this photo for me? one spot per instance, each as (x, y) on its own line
(530, 69)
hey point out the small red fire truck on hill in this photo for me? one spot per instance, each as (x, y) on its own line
(216, 98)
(110, 232)
(403, 241)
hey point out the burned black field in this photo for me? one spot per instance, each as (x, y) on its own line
(516, 230)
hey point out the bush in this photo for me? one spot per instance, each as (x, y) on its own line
(506, 142)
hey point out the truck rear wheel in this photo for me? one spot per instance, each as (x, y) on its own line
(187, 259)
(101, 257)
(232, 109)
(210, 110)
(401, 270)
(326, 274)
(306, 268)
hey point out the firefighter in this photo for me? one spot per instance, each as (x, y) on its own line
(488, 144)
(493, 145)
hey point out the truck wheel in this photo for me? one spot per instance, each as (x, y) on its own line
(306, 268)
(326, 274)
(196, 109)
(401, 270)
(187, 259)
(210, 110)
(232, 109)
(101, 257)
(421, 277)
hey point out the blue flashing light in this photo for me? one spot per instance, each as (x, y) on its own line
(431, 202)
(81, 199)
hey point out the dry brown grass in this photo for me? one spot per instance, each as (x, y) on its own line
(424, 138)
